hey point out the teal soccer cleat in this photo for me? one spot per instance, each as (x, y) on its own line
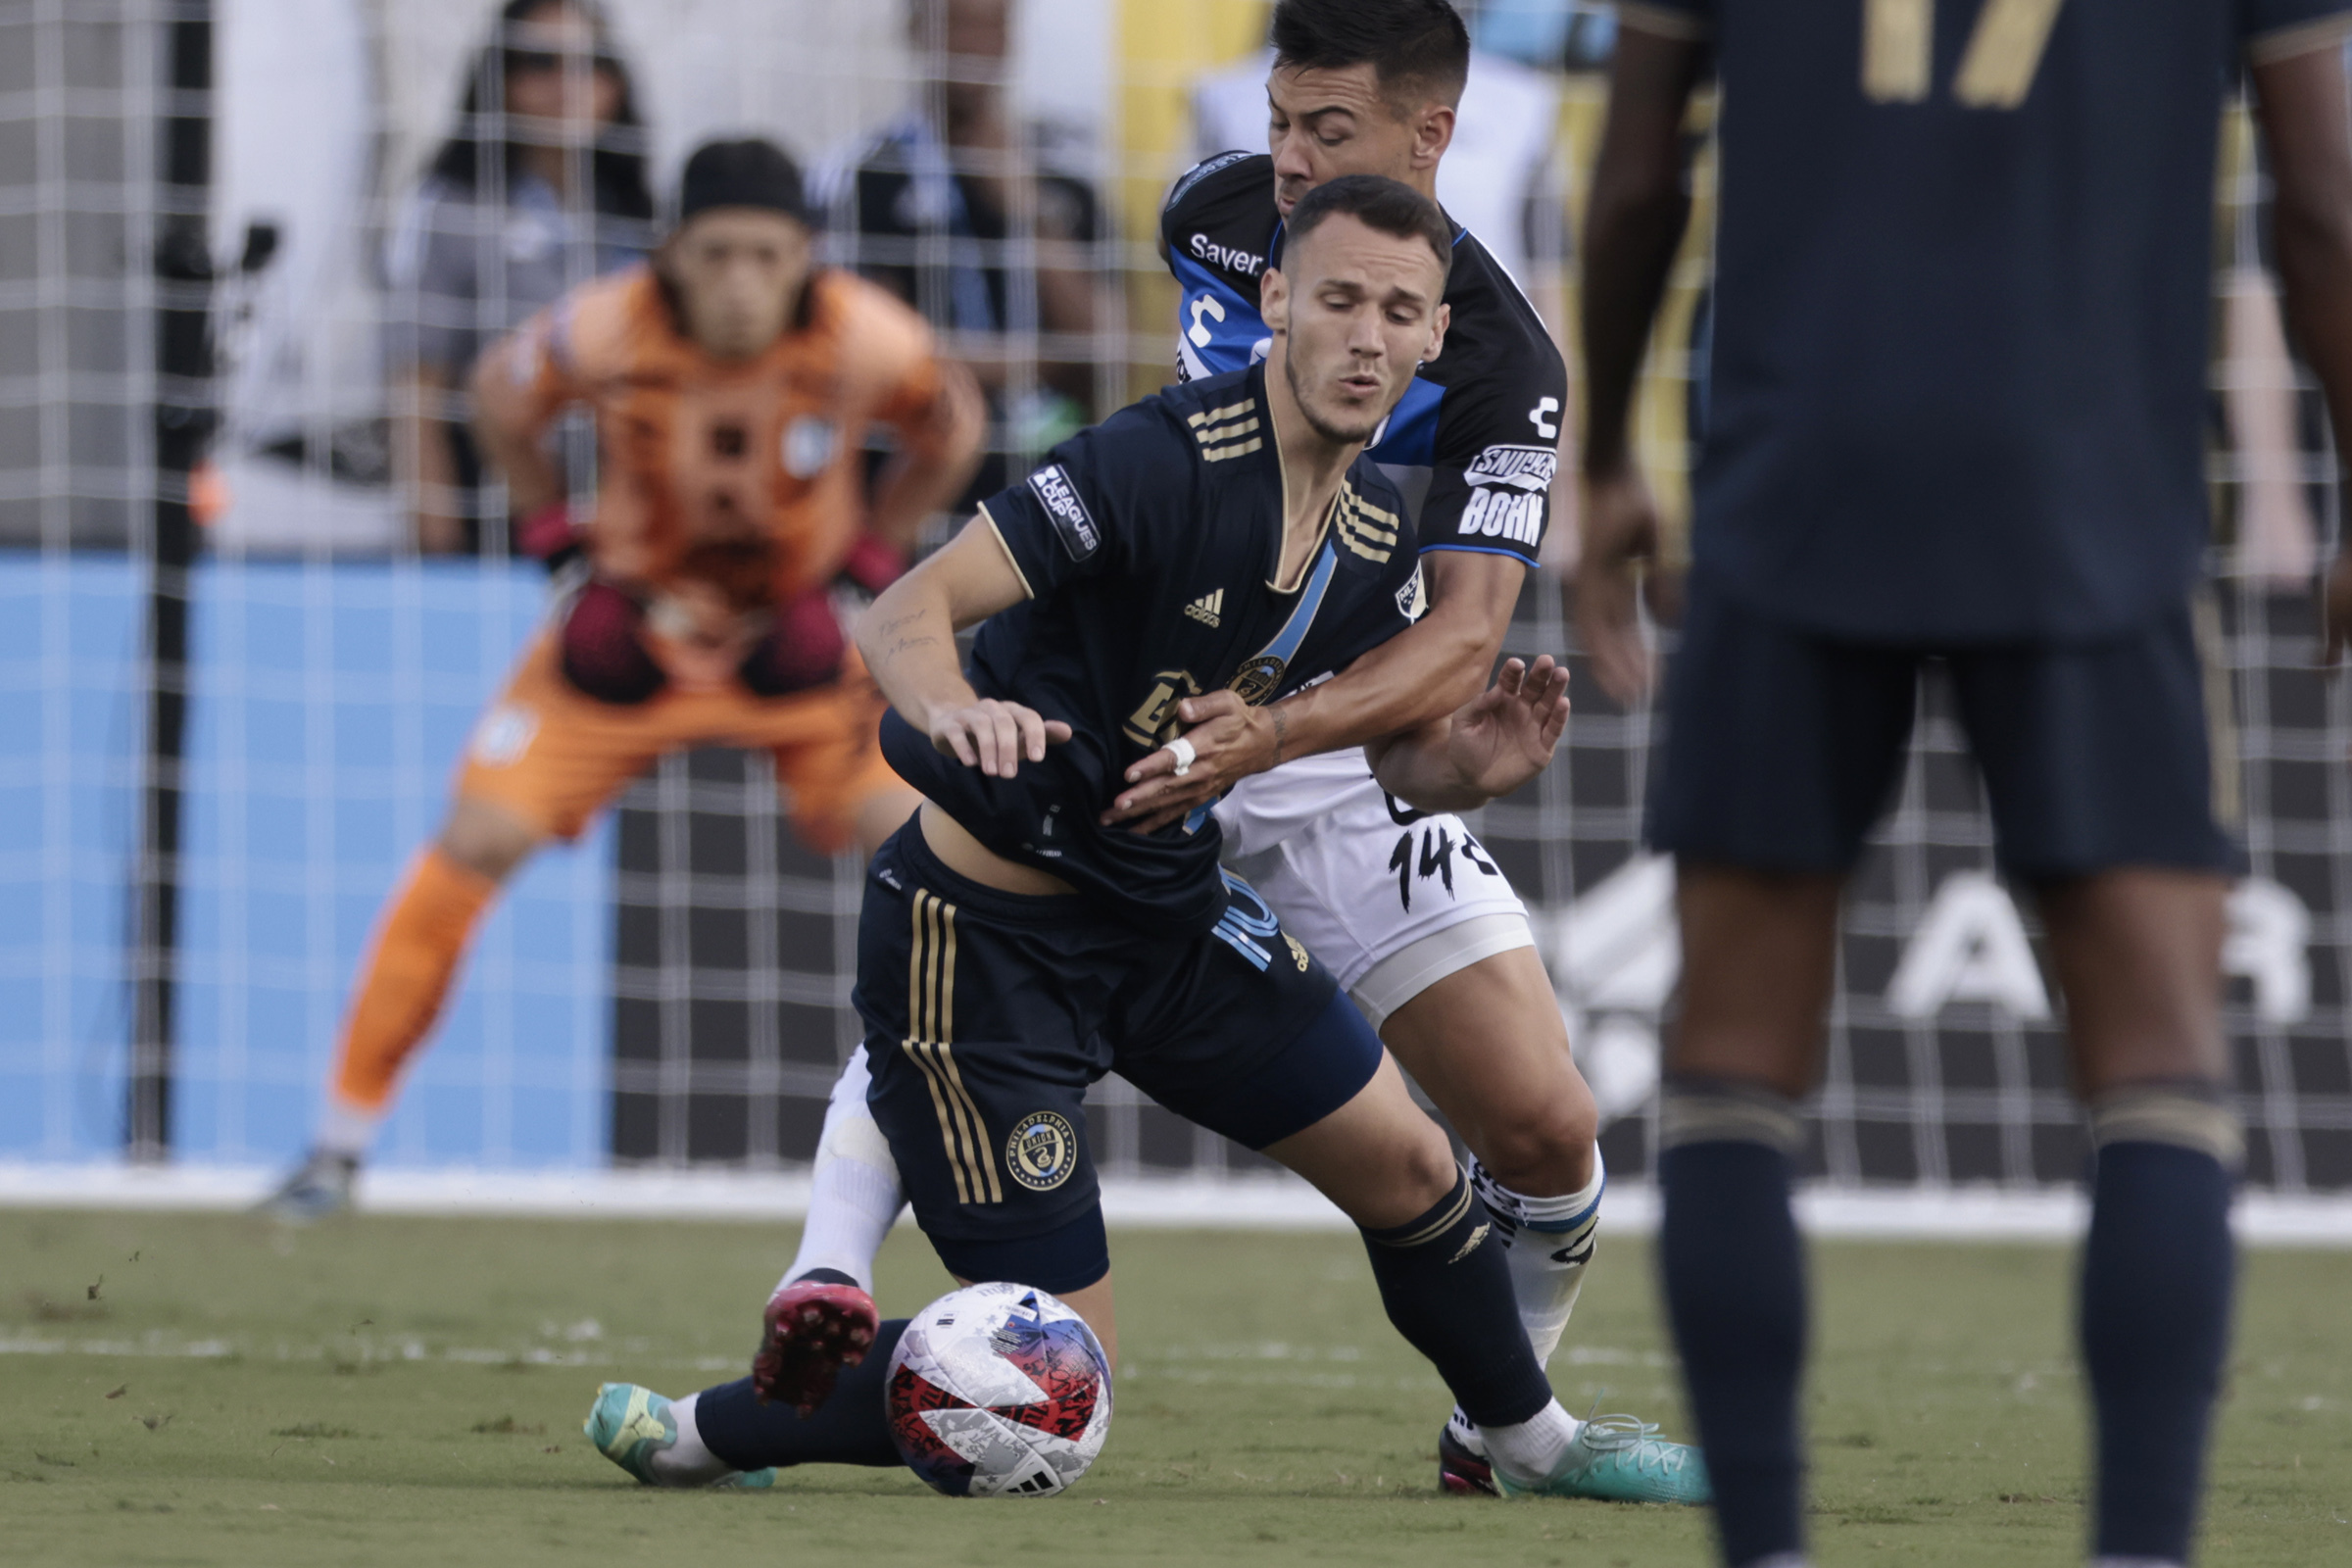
(630, 1425)
(1615, 1459)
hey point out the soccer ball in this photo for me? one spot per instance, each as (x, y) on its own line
(998, 1390)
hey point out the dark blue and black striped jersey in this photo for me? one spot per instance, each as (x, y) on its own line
(1474, 444)
(1963, 266)
(1149, 545)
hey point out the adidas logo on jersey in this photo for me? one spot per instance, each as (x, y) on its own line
(1206, 608)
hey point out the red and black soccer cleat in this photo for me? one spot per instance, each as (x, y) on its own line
(812, 1331)
(1462, 1471)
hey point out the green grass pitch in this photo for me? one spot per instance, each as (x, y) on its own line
(180, 1389)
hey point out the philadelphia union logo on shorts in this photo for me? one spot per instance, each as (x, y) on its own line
(1041, 1152)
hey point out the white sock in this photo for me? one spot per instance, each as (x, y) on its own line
(345, 1129)
(1780, 1560)
(2132, 1562)
(686, 1462)
(1531, 1449)
(1549, 1244)
(854, 1191)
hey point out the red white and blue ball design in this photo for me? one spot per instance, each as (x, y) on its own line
(998, 1390)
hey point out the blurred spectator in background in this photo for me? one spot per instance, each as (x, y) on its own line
(980, 221)
(540, 186)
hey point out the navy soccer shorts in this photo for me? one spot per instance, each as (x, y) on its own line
(1783, 748)
(988, 1014)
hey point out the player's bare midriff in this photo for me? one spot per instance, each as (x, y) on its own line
(968, 857)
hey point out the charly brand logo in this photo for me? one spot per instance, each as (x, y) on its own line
(809, 446)
(1071, 519)
(1041, 1152)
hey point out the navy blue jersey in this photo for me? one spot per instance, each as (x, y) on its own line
(1474, 443)
(1149, 546)
(1962, 269)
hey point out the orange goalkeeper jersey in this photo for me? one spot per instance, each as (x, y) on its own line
(695, 451)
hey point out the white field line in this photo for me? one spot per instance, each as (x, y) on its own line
(1189, 1202)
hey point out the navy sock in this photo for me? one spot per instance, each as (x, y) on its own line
(1447, 1289)
(850, 1427)
(2157, 1273)
(823, 1276)
(1735, 1281)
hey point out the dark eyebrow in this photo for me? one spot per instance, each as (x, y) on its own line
(1328, 109)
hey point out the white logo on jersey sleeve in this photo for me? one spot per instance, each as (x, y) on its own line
(1508, 497)
(1541, 417)
(1205, 304)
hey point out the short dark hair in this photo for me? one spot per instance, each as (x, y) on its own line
(1413, 45)
(1379, 204)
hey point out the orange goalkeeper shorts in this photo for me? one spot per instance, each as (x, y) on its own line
(553, 757)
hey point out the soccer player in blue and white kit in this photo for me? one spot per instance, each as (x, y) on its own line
(1419, 923)
(1956, 403)
(1014, 947)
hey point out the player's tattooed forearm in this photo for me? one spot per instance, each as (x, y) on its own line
(1282, 731)
(907, 644)
(898, 622)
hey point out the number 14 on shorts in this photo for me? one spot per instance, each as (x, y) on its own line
(1437, 848)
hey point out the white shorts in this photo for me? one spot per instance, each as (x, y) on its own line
(1392, 900)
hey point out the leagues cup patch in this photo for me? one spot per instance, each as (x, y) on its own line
(1041, 1152)
(1257, 678)
(1076, 525)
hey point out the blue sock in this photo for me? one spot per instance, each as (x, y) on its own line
(850, 1427)
(1447, 1288)
(2157, 1272)
(1735, 1283)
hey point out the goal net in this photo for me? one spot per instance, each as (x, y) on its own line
(672, 989)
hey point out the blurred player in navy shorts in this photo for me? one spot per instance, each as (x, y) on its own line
(1956, 401)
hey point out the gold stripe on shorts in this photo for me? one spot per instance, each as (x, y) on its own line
(931, 1016)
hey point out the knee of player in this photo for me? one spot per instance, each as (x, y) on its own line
(1543, 1144)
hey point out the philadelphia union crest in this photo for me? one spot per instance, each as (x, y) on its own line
(1258, 678)
(1041, 1152)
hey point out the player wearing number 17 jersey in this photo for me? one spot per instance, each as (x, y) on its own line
(1957, 392)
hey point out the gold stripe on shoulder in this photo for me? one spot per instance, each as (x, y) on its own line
(1231, 411)
(1222, 433)
(1220, 454)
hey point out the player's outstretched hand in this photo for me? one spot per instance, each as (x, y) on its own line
(2335, 611)
(1620, 535)
(994, 736)
(1229, 740)
(1506, 736)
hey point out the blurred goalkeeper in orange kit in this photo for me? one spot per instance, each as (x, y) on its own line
(733, 387)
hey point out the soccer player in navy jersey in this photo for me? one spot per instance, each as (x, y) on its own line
(1956, 396)
(1416, 922)
(1014, 947)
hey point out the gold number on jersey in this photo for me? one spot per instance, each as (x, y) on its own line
(1156, 716)
(2004, 51)
(1898, 50)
